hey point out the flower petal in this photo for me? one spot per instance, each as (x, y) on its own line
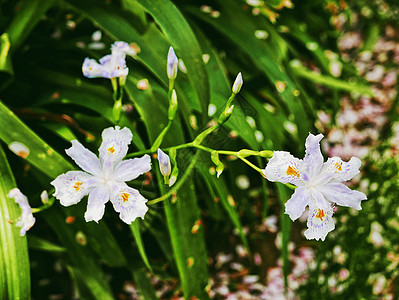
(93, 69)
(96, 204)
(283, 167)
(132, 168)
(320, 222)
(71, 187)
(336, 170)
(27, 220)
(120, 49)
(19, 198)
(129, 203)
(84, 158)
(115, 64)
(313, 158)
(296, 205)
(342, 195)
(115, 144)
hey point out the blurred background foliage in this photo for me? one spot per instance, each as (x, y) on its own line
(308, 66)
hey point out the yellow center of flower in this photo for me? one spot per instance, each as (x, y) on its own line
(291, 171)
(320, 214)
(125, 197)
(77, 185)
(111, 149)
(338, 166)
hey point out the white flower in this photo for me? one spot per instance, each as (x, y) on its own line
(110, 66)
(104, 178)
(164, 163)
(172, 63)
(318, 185)
(27, 219)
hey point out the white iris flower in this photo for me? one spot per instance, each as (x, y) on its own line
(318, 185)
(104, 178)
(110, 66)
(27, 219)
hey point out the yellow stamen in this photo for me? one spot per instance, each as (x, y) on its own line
(291, 171)
(338, 166)
(125, 197)
(77, 185)
(111, 149)
(320, 214)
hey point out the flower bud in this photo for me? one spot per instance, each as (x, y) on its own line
(44, 197)
(172, 64)
(173, 177)
(164, 163)
(172, 105)
(246, 152)
(225, 114)
(117, 109)
(266, 153)
(217, 162)
(237, 84)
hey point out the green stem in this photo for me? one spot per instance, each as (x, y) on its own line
(179, 184)
(250, 164)
(43, 207)
(160, 137)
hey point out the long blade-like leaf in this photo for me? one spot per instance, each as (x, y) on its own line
(14, 261)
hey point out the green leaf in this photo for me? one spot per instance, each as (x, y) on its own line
(135, 228)
(153, 44)
(187, 237)
(28, 15)
(40, 153)
(332, 82)
(85, 264)
(228, 203)
(232, 16)
(38, 243)
(142, 279)
(6, 69)
(179, 33)
(284, 194)
(14, 261)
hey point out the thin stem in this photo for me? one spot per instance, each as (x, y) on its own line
(179, 184)
(227, 152)
(160, 137)
(250, 164)
(44, 206)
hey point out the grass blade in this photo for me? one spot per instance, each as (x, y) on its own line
(14, 261)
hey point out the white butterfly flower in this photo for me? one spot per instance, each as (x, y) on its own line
(27, 219)
(104, 178)
(110, 66)
(318, 185)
